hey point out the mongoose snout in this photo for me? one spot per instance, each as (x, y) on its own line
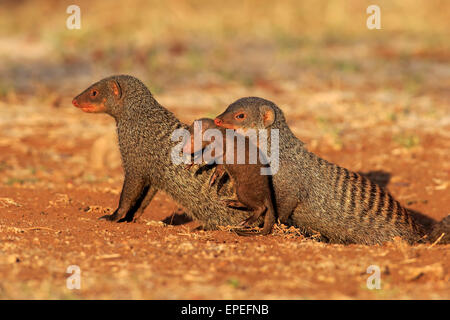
(100, 97)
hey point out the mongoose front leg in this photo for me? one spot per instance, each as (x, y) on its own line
(217, 174)
(285, 207)
(233, 203)
(132, 189)
(144, 204)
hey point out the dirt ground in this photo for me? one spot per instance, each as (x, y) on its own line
(380, 106)
(55, 186)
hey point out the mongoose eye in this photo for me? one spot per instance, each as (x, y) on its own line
(240, 116)
(94, 93)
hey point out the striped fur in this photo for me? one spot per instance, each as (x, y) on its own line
(318, 196)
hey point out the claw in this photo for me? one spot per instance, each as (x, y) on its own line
(108, 217)
(212, 180)
(247, 233)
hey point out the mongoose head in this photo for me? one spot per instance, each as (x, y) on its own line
(246, 113)
(256, 113)
(205, 124)
(102, 96)
(115, 96)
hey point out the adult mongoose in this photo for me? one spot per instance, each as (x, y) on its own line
(253, 189)
(343, 206)
(145, 131)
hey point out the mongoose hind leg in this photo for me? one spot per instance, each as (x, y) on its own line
(216, 175)
(286, 207)
(269, 222)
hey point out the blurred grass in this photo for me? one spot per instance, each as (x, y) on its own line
(407, 141)
(182, 43)
(289, 22)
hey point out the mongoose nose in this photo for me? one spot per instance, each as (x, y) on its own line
(75, 102)
(218, 122)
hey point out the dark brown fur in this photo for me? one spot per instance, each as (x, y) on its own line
(253, 189)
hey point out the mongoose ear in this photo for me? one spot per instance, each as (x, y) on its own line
(117, 90)
(268, 115)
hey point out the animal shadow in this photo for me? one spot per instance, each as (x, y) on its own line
(177, 218)
(378, 177)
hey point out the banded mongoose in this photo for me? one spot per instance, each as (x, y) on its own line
(144, 130)
(343, 206)
(253, 189)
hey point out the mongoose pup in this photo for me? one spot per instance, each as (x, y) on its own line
(253, 190)
(145, 131)
(343, 206)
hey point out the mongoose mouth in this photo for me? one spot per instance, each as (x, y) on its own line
(220, 123)
(89, 108)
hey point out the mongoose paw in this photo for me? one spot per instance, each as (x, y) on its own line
(109, 217)
(188, 166)
(247, 232)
